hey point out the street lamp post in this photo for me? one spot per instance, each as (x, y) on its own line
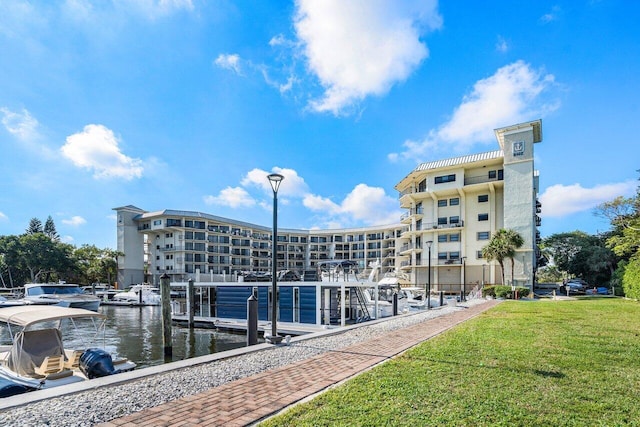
(464, 279)
(429, 242)
(274, 179)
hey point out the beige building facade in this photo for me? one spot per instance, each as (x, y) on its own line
(453, 207)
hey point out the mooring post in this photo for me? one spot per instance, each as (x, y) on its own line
(165, 294)
(441, 298)
(395, 303)
(252, 320)
(191, 302)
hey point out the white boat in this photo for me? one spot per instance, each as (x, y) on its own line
(37, 357)
(102, 291)
(138, 295)
(4, 302)
(62, 294)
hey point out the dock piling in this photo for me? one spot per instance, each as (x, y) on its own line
(165, 294)
(252, 320)
(191, 304)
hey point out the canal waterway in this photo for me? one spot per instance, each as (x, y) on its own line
(136, 333)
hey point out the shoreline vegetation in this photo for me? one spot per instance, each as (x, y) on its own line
(520, 363)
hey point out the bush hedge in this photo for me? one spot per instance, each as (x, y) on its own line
(502, 291)
(631, 278)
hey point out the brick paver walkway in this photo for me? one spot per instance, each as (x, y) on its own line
(248, 400)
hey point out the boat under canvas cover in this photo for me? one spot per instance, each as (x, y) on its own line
(25, 316)
(31, 349)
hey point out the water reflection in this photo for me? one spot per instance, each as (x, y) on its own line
(136, 333)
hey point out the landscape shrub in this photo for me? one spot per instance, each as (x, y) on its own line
(503, 291)
(631, 279)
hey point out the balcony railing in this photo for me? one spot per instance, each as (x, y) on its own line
(434, 262)
(410, 212)
(480, 179)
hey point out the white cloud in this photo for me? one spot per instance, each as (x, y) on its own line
(292, 185)
(563, 200)
(22, 125)
(551, 16)
(3, 216)
(362, 47)
(502, 45)
(67, 239)
(365, 204)
(321, 204)
(96, 148)
(233, 197)
(229, 62)
(74, 221)
(511, 95)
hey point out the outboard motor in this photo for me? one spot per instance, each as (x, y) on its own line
(96, 363)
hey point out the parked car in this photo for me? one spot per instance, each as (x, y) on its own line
(574, 286)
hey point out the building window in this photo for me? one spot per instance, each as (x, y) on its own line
(454, 255)
(422, 186)
(483, 198)
(442, 238)
(454, 237)
(454, 202)
(442, 255)
(479, 255)
(442, 203)
(483, 217)
(454, 220)
(483, 235)
(445, 178)
(442, 220)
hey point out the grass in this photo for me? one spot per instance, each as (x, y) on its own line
(546, 363)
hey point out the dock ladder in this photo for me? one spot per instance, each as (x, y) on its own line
(362, 305)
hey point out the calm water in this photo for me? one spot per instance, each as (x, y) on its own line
(136, 333)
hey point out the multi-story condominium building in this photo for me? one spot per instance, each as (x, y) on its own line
(453, 208)
(455, 205)
(187, 245)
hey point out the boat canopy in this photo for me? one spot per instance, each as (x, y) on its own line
(27, 315)
(338, 263)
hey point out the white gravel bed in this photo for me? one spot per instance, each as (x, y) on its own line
(95, 406)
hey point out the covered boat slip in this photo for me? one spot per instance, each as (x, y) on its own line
(303, 307)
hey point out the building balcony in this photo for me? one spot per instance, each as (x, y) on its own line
(407, 217)
(472, 180)
(172, 249)
(436, 226)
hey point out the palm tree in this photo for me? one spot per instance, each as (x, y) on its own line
(503, 245)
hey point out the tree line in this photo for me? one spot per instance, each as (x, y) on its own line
(38, 256)
(610, 259)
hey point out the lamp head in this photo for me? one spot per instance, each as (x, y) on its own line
(275, 179)
(429, 242)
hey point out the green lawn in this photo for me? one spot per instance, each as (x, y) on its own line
(544, 363)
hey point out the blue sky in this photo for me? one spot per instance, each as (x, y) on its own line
(189, 104)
